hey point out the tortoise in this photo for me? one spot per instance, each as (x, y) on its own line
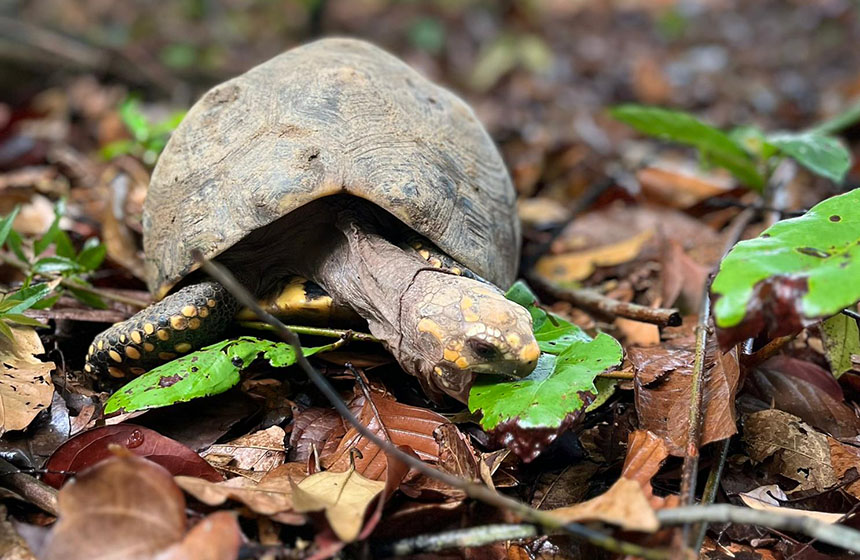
(326, 162)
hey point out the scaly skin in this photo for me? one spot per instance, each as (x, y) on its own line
(186, 320)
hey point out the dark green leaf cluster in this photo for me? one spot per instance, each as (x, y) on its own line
(41, 287)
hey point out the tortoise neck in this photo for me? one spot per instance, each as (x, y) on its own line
(360, 268)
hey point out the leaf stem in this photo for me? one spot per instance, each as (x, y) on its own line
(312, 331)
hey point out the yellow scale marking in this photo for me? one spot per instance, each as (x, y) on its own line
(132, 352)
(114, 355)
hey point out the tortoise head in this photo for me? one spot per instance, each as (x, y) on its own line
(461, 328)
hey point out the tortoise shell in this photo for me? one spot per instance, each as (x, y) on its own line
(333, 116)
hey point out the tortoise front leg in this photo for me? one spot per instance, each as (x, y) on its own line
(192, 317)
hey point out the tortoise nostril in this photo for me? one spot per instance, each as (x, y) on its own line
(483, 349)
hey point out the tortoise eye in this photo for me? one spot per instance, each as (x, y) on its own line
(483, 349)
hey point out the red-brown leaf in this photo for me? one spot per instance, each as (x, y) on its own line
(662, 392)
(88, 448)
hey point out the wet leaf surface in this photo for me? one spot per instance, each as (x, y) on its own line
(796, 273)
(91, 447)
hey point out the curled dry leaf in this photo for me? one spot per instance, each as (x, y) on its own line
(216, 537)
(343, 496)
(270, 496)
(624, 505)
(125, 507)
(662, 391)
(844, 458)
(250, 456)
(805, 390)
(25, 386)
(90, 447)
(646, 453)
(316, 427)
(767, 498)
(404, 425)
(791, 448)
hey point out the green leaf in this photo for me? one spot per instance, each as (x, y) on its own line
(117, 148)
(134, 119)
(716, 146)
(88, 298)
(569, 362)
(56, 265)
(6, 331)
(6, 224)
(554, 390)
(841, 339)
(23, 320)
(816, 257)
(208, 371)
(552, 333)
(823, 155)
(15, 243)
(25, 298)
(92, 254)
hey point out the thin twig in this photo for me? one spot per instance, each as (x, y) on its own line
(33, 490)
(473, 490)
(709, 493)
(594, 301)
(690, 467)
(835, 535)
(313, 331)
(459, 538)
(853, 314)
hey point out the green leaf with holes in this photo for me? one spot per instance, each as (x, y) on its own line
(841, 337)
(716, 147)
(529, 413)
(795, 273)
(208, 371)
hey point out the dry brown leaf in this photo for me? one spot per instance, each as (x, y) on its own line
(637, 333)
(574, 267)
(317, 427)
(25, 386)
(215, 537)
(624, 505)
(805, 390)
(408, 426)
(250, 456)
(343, 497)
(274, 494)
(766, 498)
(681, 185)
(124, 507)
(619, 223)
(798, 451)
(649, 80)
(844, 458)
(662, 392)
(682, 278)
